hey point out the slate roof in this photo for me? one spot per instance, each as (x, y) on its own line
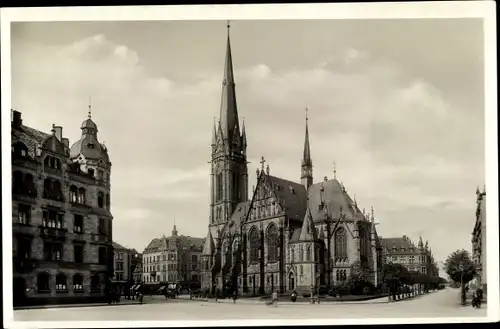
(30, 137)
(308, 231)
(81, 147)
(292, 196)
(398, 243)
(334, 197)
(239, 215)
(296, 235)
(209, 245)
(116, 245)
(159, 244)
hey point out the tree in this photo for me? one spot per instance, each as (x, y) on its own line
(461, 269)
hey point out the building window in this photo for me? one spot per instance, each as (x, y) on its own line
(272, 238)
(402, 249)
(52, 219)
(301, 269)
(43, 282)
(194, 258)
(100, 199)
(94, 283)
(194, 267)
(52, 190)
(102, 255)
(19, 150)
(102, 226)
(78, 283)
(340, 243)
(73, 194)
(81, 196)
(164, 257)
(52, 163)
(218, 187)
(78, 253)
(61, 282)
(100, 174)
(254, 245)
(90, 171)
(108, 201)
(412, 259)
(23, 248)
(78, 223)
(308, 253)
(23, 214)
(52, 251)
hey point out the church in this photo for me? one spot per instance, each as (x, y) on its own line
(286, 235)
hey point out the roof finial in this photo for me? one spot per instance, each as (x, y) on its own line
(90, 106)
(334, 170)
(307, 116)
(228, 24)
(262, 162)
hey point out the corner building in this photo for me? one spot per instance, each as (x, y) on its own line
(61, 219)
(286, 235)
(479, 240)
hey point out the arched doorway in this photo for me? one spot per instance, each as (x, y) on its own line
(291, 281)
(19, 291)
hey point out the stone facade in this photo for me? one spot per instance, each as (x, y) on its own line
(61, 223)
(415, 258)
(172, 260)
(286, 235)
(479, 240)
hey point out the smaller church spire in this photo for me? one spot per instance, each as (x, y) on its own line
(243, 135)
(306, 168)
(174, 230)
(214, 135)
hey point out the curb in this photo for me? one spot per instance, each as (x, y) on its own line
(41, 307)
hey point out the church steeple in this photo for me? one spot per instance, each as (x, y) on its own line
(306, 176)
(228, 109)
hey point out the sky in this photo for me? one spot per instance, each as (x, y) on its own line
(397, 105)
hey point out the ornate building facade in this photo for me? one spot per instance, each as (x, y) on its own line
(286, 235)
(416, 258)
(62, 222)
(172, 260)
(479, 239)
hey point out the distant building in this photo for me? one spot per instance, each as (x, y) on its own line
(172, 260)
(137, 268)
(479, 239)
(61, 223)
(415, 258)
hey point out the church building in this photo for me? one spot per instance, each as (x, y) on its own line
(286, 235)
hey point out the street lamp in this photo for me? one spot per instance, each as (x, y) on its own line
(462, 290)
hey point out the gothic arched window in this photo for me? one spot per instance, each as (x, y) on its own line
(73, 194)
(81, 195)
(301, 254)
(272, 241)
(20, 150)
(218, 187)
(292, 254)
(100, 200)
(308, 253)
(43, 282)
(254, 245)
(78, 282)
(340, 243)
(61, 282)
(17, 181)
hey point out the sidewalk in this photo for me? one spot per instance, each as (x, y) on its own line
(36, 307)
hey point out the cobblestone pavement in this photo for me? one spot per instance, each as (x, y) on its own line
(444, 303)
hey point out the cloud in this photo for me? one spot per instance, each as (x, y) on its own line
(397, 141)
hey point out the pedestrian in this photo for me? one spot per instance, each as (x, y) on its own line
(234, 296)
(216, 295)
(274, 299)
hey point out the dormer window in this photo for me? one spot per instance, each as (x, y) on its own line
(402, 249)
(90, 145)
(91, 171)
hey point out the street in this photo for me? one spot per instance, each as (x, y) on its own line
(444, 303)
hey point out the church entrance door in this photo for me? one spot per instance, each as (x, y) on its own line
(291, 281)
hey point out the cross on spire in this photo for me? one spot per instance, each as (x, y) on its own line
(262, 162)
(90, 106)
(334, 170)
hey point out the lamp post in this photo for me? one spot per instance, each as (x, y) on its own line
(462, 290)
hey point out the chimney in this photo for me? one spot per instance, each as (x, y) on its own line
(58, 132)
(17, 121)
(65, 141)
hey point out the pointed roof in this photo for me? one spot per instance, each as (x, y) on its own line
(420, 242)
(228, 109)
(308, 231)
(243, 135)
(306, 159)
(209, 246)
(291, 196)
(214, 135)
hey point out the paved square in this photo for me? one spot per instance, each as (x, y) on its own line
(439, 304)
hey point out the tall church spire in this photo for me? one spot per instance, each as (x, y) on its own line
(228, 109)
(306, 172)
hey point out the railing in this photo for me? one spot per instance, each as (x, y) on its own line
(53, 232)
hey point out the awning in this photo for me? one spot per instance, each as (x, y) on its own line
(161, 289)
(133, 287)
(137, 287)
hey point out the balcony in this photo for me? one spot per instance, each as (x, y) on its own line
(52, 232)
